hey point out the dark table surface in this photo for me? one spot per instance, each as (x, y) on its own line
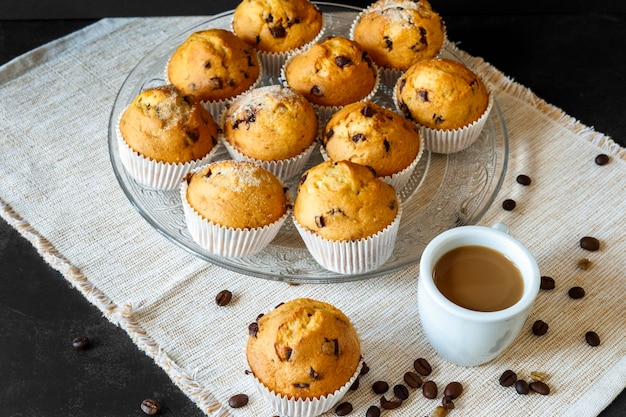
(572, 57)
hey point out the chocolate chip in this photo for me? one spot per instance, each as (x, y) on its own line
(413, 380)
(389, 404)
(278, 32)
(150, 406)
(372, 411)
(521, 387)
(387, 145)
(547, 283)
(380, 387)
(422, 366)
(316, 91)
(367, 111)
(355, 385)
(238, 400)
(523, 179)
(602, 159)
(301, 385)
(437, 119)
(343, 409)
(364, 369)
(320, 221)
(539, 387)
(223, 298)
(388, 43)
(423, 94)
(330, 347)
(253, 329)
(216, 83)
(576, 292)
(401, 392)
(508, 378)
(590, 243)
(429, 389)
(80, 343)
(540, 328)
(329, 133)
(592, 338)
(313, 374)
(447, 402)
(453, 390)
(359, 137)
(342, 61)
(508, 204)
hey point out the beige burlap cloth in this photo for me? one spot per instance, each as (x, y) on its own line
(57, 188)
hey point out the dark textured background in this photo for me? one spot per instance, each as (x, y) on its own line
(570, 53)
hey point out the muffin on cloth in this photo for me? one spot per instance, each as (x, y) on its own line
(304, 355)
(274, 126)
(347, 217)
(447, 99)
(372, 135)
(233, 208)
(398, 33)
(213, 65)
(164, 134)
(277, 27)
(332, 73)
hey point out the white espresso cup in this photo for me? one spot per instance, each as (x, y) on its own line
(467, 337)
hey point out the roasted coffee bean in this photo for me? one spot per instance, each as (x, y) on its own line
(537, 376)
(523, 179)
(355, 384)
(80, 343)
(453, 390)
(429, 389)
(253, 329)
(223, 298)
(592, 338)
(447, 402)
(238, 400)
(389, 405)
(413, 380)
(150, 406)
(380, 387)
(422, 366)
(539, 387)
(401, 392)
(508, 204)
(547, 283)
(372, 411)
(343, 409)
(540, 328)
(576, 292)
(521, 387)
(590, 243)
(364, 369)
(602, 159)
(508, 378)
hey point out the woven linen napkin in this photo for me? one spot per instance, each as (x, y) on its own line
(57, 188)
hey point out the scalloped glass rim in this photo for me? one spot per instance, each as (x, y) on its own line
(444, 192)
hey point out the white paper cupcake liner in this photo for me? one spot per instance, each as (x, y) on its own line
(227, 241)
(352, 256)
(309, 407)
(154, 174)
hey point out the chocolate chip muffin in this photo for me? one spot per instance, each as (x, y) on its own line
(213, 65)
(304, 349)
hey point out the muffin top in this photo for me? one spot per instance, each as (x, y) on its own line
(236, 194)
(303, 349)
(277, 25)
(334, 72)
(343, 201)
(441, 94)
(369, 134)
(396, 34)
(166, 126)
(213, 64)
(270, 123)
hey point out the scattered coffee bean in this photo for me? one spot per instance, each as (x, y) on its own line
(602, 159)
(413, 380)
(447, 402)
(223, 298)
(508, 378)
(429, 389)
(380, 387)
(576, 292)
(523, 179)
(584, 264)
(537, 376)
(364, 369)
(386, 404)
(343, 409)
(422, 366)
(453, 390)
(372, 411)
(253, 329)
(80, 343)
(521, 387)
(592, 338)
(238, 400)
(439, 411)
(547, 283)
(540, 328)
(355, 385)
(508, 204)
(539, 387)
(401, 392)
(590, 243)
(150, 406)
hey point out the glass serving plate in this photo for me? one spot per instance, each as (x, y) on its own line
(445, 191)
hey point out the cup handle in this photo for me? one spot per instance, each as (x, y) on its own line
(501, 227)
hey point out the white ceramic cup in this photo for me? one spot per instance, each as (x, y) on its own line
(467, 337)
